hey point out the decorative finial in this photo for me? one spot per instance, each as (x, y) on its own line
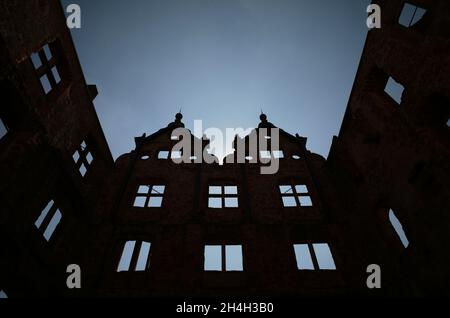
(177, 122)
(264, 123)
(263, 117)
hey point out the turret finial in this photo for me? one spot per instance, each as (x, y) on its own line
(178, 116)
(263, 117)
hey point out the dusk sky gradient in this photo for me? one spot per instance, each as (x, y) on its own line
(221, 61)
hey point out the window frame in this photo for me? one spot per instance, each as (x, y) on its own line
(270, 154)
(133, 261)
(392, 87)
(223, 258)
(43, 225)
(411, 22)
(46, 67)
(223, 195)
(149, 195)
(170, 154)
(313, 256)
(297, 195)
(83, 151)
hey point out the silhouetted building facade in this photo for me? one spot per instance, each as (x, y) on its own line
(53, 154)
(146, 226)
(202, 229)
(393, 150)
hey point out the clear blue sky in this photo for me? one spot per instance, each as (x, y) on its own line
(221, 61)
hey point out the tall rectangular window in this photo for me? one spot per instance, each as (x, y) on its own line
(324, 257)
(149, 196)
(410, 15)
(141, 264)
(135, 256)
(314, 256)
(48, 220)
(45, 65)
(83, 158)
(223, 258)
(223, 196)
(295, 195)
(213, 258)
(303, 257)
